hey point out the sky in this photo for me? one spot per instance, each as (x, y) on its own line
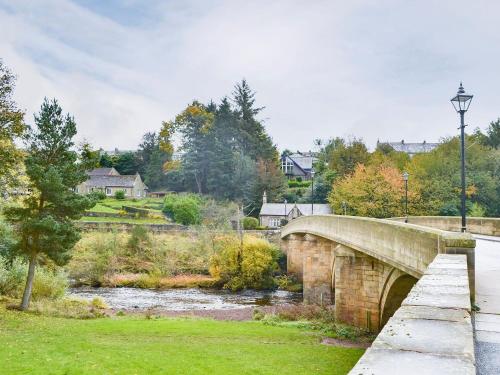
(372, 69)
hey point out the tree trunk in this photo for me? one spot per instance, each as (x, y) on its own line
(29, 284)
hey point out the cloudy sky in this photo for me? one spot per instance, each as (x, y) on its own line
(376, 69)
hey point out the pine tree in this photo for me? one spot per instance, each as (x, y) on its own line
(45, 220)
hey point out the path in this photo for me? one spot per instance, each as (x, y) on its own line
(487, 320)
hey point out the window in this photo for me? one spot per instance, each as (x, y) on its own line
(275, 222)
(286, 165)
(138, 193)
(108, 191)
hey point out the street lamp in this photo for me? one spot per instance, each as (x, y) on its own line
(312, 191)
(285, 209)
(461, 102)
(405, 178)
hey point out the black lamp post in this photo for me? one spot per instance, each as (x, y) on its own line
(312, 191)
(461, 102)
(405, 178)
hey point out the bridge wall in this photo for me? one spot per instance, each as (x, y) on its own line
(488, 226)
(431, 333)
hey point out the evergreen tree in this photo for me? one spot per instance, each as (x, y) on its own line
(45, 221)
(126, 163)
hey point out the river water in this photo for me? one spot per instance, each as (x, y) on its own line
(185, 299)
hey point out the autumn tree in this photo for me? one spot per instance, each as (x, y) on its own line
(373, 190)
(44, 222)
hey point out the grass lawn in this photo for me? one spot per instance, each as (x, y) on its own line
(151, 203)
(112, 205)
(102, 208)
(129, 220)
(31, 344)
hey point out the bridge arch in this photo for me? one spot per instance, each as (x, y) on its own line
(396, 287)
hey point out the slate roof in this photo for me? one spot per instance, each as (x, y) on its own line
(101, 172)
(278, 209)
(112, 181)
(412, 148)
(305, 162)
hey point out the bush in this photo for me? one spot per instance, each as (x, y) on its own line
(249, 266)
(184, 209)
(120, 195)
(250, 223)
(98, 195)
(47, 283)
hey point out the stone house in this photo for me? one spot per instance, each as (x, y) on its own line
(109, 181)
(272, 214)
(299, 164)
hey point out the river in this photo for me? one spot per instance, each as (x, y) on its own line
(185, 299)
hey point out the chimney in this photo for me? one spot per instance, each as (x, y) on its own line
(264, 197)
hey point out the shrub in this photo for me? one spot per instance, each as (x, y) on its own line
(250, 223)
(184, 209)
(98, 195)
(120, 195)
(47, 284)
(249, 266)
(299, 179)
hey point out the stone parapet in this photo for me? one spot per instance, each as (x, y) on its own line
(488, 226)
(431, 333)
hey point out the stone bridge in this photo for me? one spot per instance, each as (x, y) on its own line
(366, 266)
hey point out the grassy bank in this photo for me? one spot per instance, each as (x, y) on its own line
(124, 345)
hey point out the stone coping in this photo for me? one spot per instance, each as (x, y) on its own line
(431, 333)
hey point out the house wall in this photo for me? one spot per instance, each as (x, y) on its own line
(138, 190)
(265, 220)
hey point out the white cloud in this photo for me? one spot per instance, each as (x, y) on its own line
(381, 69)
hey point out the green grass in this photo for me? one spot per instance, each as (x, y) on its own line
(112, 205)
(128, 220)
(32, 344)
(99, 207)
(152, 203)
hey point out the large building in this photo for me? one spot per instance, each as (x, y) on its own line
(299, 164)
(109, 181)
(410, 148)
(273, 215)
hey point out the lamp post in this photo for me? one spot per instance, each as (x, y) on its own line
(405, 178)
(312, 191)
(461, 102)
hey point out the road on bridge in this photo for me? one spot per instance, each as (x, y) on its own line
(487, 320)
